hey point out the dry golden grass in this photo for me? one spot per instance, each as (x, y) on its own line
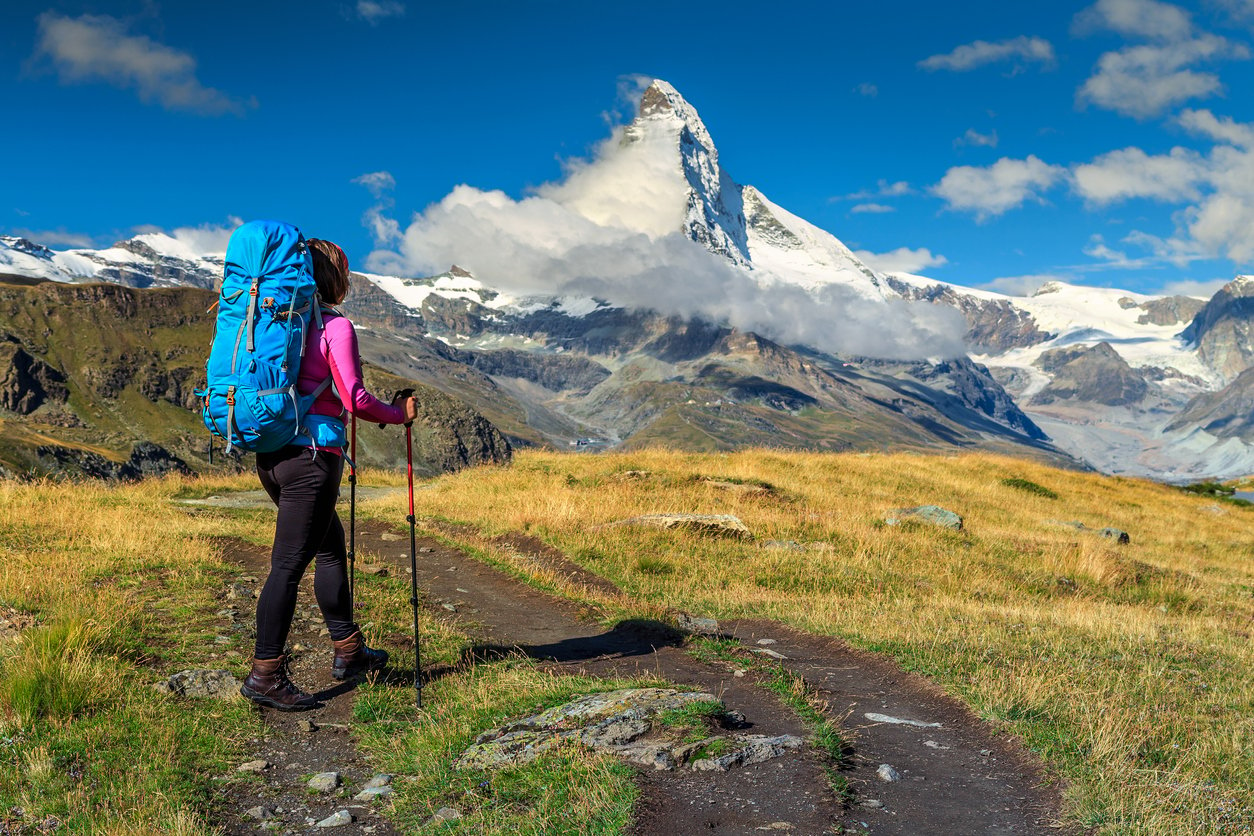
(1127, 667)
(105, 570)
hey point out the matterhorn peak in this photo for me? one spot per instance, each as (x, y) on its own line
(662, 102)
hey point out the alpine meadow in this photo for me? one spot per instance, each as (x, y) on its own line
(628, 420)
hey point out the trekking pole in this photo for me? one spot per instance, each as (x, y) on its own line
(413, 542)
(413, 559)
(352, 519)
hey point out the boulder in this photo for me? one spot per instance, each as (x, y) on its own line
(623, 723)
(930, 514)
(715, 525)
(697, 626)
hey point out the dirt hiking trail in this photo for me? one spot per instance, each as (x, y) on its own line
(956, 777)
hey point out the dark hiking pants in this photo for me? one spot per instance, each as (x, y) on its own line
(304, 487)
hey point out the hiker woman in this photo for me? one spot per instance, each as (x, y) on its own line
(303, 479)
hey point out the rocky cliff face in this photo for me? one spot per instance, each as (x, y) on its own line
(1095, 375)
(1228, 413)
(1169, 310)
(994, 326)
(26, 382)
(103, 379)
(976, 389)
(1223, 330)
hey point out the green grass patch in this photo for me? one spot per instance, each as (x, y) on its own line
(793, 692)
(563, 791)
(1028, 486)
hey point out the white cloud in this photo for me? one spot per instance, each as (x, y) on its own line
(867, 89)
(1021, 285)
(998, 188)
(883, 188)
(383, 229)
(59, 237)
(969, 56)
(377, 182)
(643, 190)
(1143, 81)
(1218, 188)
(1220, 129)
(614, 229)
(373, 11)
(1240, 9)
(902, 260)
(98, 48)
(207, 239)
(976, 139)
(871, 209)
(1136, 18)
(1131, 173)
(1191, 287)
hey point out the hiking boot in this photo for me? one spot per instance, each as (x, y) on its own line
(353, 657)
(267, 684)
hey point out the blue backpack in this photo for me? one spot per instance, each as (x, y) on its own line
(267, 302)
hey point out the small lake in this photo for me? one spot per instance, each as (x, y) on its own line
(1246, 495)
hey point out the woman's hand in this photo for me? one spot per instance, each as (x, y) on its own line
(406, 400)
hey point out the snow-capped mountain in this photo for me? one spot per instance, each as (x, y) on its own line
(148, 260)
(668, 145)
(1127, 382)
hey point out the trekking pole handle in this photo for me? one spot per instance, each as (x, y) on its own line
(400, 395)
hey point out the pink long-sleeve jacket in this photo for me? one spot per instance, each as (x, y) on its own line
(332, 350)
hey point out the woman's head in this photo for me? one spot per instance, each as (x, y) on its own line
(330, 270)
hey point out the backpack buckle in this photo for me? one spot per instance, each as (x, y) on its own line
(230, 396)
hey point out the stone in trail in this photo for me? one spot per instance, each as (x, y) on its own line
(618, 722)
(887, 774)
(753, 749)
(697, 625)
(339, 818)
(373, 793)
(325, 782)
(260, 813)
(884, 718)
(253, 766)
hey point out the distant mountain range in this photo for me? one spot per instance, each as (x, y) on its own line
(1123, 382)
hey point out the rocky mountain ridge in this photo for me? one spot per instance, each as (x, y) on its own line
(1108, 375)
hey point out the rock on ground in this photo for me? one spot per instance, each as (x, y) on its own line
(202, 684)
(325, 781)
(930, 514)
(253, 766)
(715, 525)
(622, 723)
(754, 748)
(696, 625)
(339, 818)
(1118, 535)
(887, 774)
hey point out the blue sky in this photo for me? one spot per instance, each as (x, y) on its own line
(1106, 143)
